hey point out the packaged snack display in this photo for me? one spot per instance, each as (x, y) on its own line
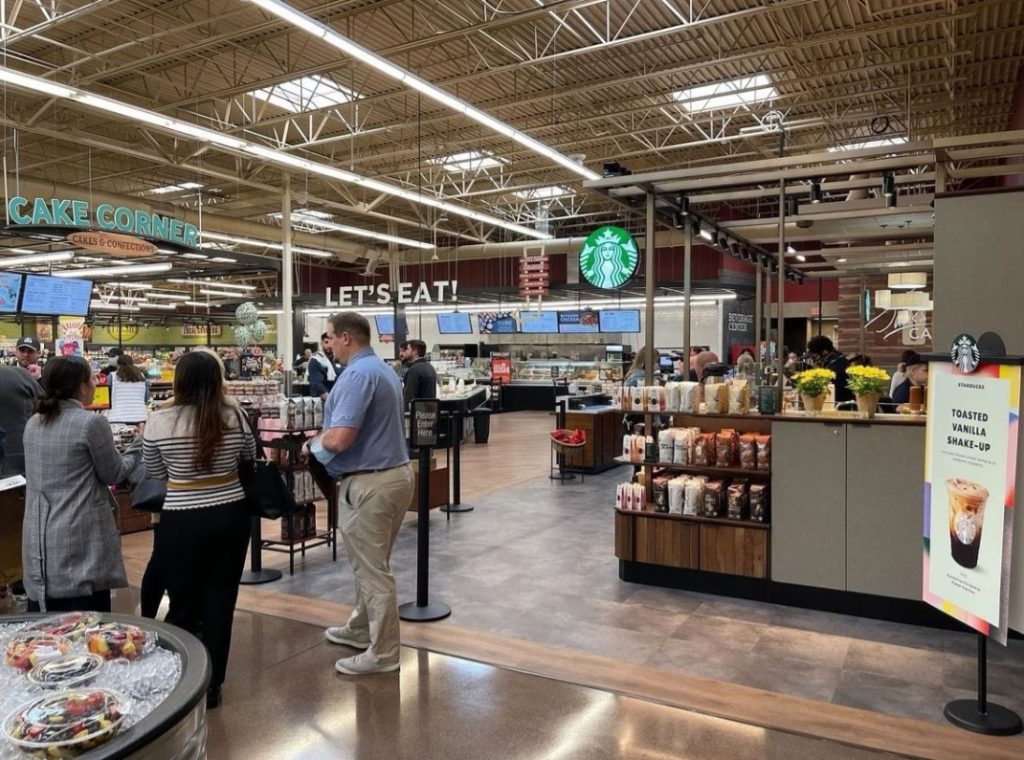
(726, 444)
(26, 650)
(738, 500)
(764, 452)
(759, 502)
(714, 498)
(748, 451)
(704, 450)
(739, 397)
(661, 494)
(68, 722)
(70, 625)
(113, 640)
(66, 671)
(676, 495)
(666, 445)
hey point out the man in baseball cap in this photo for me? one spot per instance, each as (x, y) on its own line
(28, 355)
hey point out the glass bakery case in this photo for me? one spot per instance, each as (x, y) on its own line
(574, 371)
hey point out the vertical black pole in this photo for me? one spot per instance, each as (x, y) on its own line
(982, 673)
(423, 529)
(120, 336)
(456, 458)
(978, 715)
(820, 315)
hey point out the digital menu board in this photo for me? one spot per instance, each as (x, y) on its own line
(538, 321)
(56, 296)
(454, 323)
(620, 320)
(496, 322)
(386, 324)
(578, 322)
(10, 290)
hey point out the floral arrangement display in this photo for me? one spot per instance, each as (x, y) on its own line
(813, 382)
(867, 381)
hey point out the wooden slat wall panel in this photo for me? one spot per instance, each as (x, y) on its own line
(667, 542)
(624, 536)
(853, 338)
(734, 551)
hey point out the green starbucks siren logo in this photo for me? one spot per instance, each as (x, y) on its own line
(609, 257)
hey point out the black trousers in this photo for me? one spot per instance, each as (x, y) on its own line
(98, 601)
(152, 591)
(201, 554)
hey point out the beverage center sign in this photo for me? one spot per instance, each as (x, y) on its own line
(62, 212)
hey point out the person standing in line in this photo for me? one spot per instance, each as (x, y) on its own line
(71, 550)
(823, 354)
(19, 388)
(363, 446)
(420, 379)
(323, 370)
(129, 393)
(196, 443)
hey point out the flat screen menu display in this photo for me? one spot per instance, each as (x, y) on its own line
(454, 323)
(538, 322)
(620, 320)
(386, 324)
(496, 322)
(578, 322)
(10, 291)
(56, 296)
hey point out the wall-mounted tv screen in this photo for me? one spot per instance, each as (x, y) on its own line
(454, 323)
(578, 322)
(496, 322)
(620, 320)
(538, 322)
(386, 324)
(56, 296)
(10, 292)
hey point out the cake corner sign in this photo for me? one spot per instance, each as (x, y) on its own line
(970, 483)
(609, 257)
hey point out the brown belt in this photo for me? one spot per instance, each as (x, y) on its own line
(198, 483)
(369, 472)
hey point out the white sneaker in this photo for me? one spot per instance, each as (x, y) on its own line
(342, 634)
(364, 664)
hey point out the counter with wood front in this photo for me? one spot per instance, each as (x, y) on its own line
(844, 530)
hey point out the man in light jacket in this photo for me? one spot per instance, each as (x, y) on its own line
(323, 370)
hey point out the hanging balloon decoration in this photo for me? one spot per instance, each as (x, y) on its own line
(242, 336)
(258, 331)
(247, 314)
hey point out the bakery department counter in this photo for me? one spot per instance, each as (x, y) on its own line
(844, 531)
(538, 395)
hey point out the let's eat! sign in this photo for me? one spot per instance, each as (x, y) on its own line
(80, 214)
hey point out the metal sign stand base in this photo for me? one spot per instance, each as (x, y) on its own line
(978, 715)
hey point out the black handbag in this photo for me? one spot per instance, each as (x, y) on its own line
(266, 493)
(147, 494)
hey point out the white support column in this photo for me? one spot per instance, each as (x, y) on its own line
(284, 320)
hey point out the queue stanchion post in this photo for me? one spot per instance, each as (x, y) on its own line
(456, 506)
(423, 436)
(257, 574)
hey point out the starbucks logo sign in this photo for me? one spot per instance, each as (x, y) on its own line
(609, 257)
(965, 353)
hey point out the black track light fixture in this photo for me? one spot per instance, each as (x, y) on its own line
(815, 191)
(793, 207)
(889, 190)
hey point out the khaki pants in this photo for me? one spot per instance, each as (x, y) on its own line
(371, 508)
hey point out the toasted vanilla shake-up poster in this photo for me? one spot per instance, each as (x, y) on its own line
(970, 489)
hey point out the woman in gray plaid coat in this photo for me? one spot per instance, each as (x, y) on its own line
(71, 550)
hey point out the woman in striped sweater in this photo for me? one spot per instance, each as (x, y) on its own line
(196, 443)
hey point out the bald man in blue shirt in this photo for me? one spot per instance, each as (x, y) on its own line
(364, 438)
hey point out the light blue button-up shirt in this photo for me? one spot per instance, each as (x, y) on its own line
(368, 396)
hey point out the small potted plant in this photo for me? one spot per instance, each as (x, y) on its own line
(812, 385)
(868, 385)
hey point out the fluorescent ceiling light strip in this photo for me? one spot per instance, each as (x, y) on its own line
(213, 284)
(350, 48)
(124, 110)
(163, 306)
(38, 258)
(107, 271)
(320, 222)
(263, 244)
(221, 293)
(168, 296)
(100, 305)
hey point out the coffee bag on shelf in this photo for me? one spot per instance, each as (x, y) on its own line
(714, 498)
(759, 502)
(748, 451)
(661, 494)
(636, 403)
(704, 450)
(681, 446)
(666, 445)
(639, 497)
(738, 500)
(739, 397)
(694, 503)
(726, 444)
(676, 495)
(672, 397)
(689, 397)
(764, 452)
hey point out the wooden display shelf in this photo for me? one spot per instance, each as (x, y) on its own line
(743, 523)
(695, 469)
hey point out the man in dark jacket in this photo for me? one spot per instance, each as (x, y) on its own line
(823, 354)
(420, 377)
(18, 389)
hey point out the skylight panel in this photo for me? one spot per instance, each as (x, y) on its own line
(879, 143)
(305, 94)
(179, 188)
(469, 161)
(544, 193)
(744, 91)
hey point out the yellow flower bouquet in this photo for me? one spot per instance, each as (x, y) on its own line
(813, 382)
(865, 381)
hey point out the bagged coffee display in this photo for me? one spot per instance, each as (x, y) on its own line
(318, 413)
(738, 500)
(739, 397)
(748, 451)
(764, 452)
(672, 397)
(639, 497)
(704, 450)
(759, 502)
(689, 397)
(717, 397)
(661, 494)
(676, 495)
(636, 403)
(694, 503)
(726, 443)
(714, 498)
(636, 451)
(666, 445)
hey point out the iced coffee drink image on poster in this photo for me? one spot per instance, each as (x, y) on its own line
(969, 490)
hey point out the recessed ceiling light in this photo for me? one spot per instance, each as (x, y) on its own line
(179, 188)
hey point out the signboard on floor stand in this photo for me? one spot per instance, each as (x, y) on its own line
(970, 494)
(424, 424)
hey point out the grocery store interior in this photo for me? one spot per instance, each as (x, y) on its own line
(624, 231)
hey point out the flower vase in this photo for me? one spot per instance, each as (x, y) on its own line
(813, 403)
(868, 403)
